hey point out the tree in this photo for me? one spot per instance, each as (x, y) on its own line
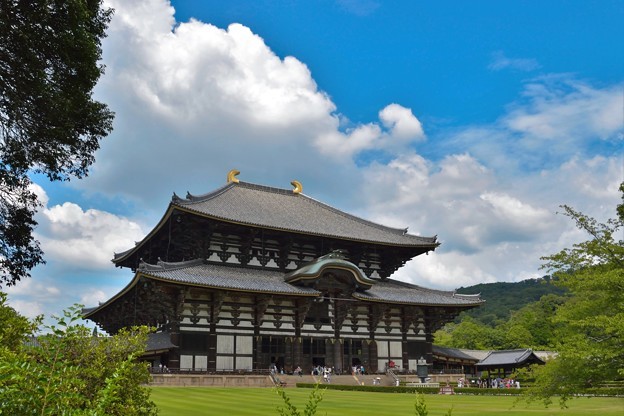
(49, 122)
(69, 371)
(591, 322)
(470, 334)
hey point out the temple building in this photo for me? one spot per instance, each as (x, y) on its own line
(250, 276)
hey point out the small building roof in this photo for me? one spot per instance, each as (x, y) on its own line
(509, 358)
(452, 353)
(477, 354)
(159, 341)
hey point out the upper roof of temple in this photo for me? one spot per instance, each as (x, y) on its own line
(283, 209)
(287, 211)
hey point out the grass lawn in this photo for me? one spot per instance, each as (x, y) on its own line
(182, 401)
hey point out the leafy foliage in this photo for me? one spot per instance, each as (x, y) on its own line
(49, 123)
(529, 325)
(288, 409)
(502, 299)
(591, 322)
(68, 371)
(420, 407)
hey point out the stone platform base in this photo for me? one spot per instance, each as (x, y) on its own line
(210, 380)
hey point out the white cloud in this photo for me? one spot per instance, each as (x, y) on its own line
(29, 297)
(94, 297)
(401, 122)
(28, 309)
(210, 99)
(494, 225)
(401, 128)
(567, 110)
(86, 239)
(500, 62)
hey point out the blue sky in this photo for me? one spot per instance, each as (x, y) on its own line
(470, 120)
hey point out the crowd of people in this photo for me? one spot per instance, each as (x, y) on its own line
(496, 383)
(324, 371)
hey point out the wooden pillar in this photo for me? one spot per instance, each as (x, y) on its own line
(337, 351)
(372, 355)
(289, 356)
(297, 347)
(178, 305)
(212, 351)
(174, 353)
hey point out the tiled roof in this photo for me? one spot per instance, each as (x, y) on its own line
(225, 277)
(395, 291)
(476, 354)
(237, 278)
(452, 353)
(159, 341)
(256, 280)
(509, 357)
(281, 209)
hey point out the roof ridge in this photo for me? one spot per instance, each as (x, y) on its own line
(190, 198)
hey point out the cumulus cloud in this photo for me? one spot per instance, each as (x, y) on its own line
(400, 127)
(83, 238)
(209, 99)
(495, 214)
(401, 122)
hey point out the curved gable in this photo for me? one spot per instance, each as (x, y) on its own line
(314, 270)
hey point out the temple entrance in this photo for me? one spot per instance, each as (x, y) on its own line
(278, 362)
(318, 361)
(314, 353)
(352, 350)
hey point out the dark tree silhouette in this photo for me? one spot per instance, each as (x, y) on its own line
(49, 123)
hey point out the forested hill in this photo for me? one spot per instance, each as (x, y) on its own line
(502, 298)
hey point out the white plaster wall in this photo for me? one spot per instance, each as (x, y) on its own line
(244, 345)
(244, 363)
(201, 362)
(225, 344)
(225, 363)
(186, 362)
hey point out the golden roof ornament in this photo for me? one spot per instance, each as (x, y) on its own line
(298, 187)
(231, 176)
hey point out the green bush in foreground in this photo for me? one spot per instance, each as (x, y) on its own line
(69, 371)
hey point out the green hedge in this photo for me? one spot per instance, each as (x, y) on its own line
(605, 391)
(378, 389)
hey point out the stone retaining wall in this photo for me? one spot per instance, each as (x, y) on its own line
(209, 380)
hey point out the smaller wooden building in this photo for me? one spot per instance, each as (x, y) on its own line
(504, 363)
